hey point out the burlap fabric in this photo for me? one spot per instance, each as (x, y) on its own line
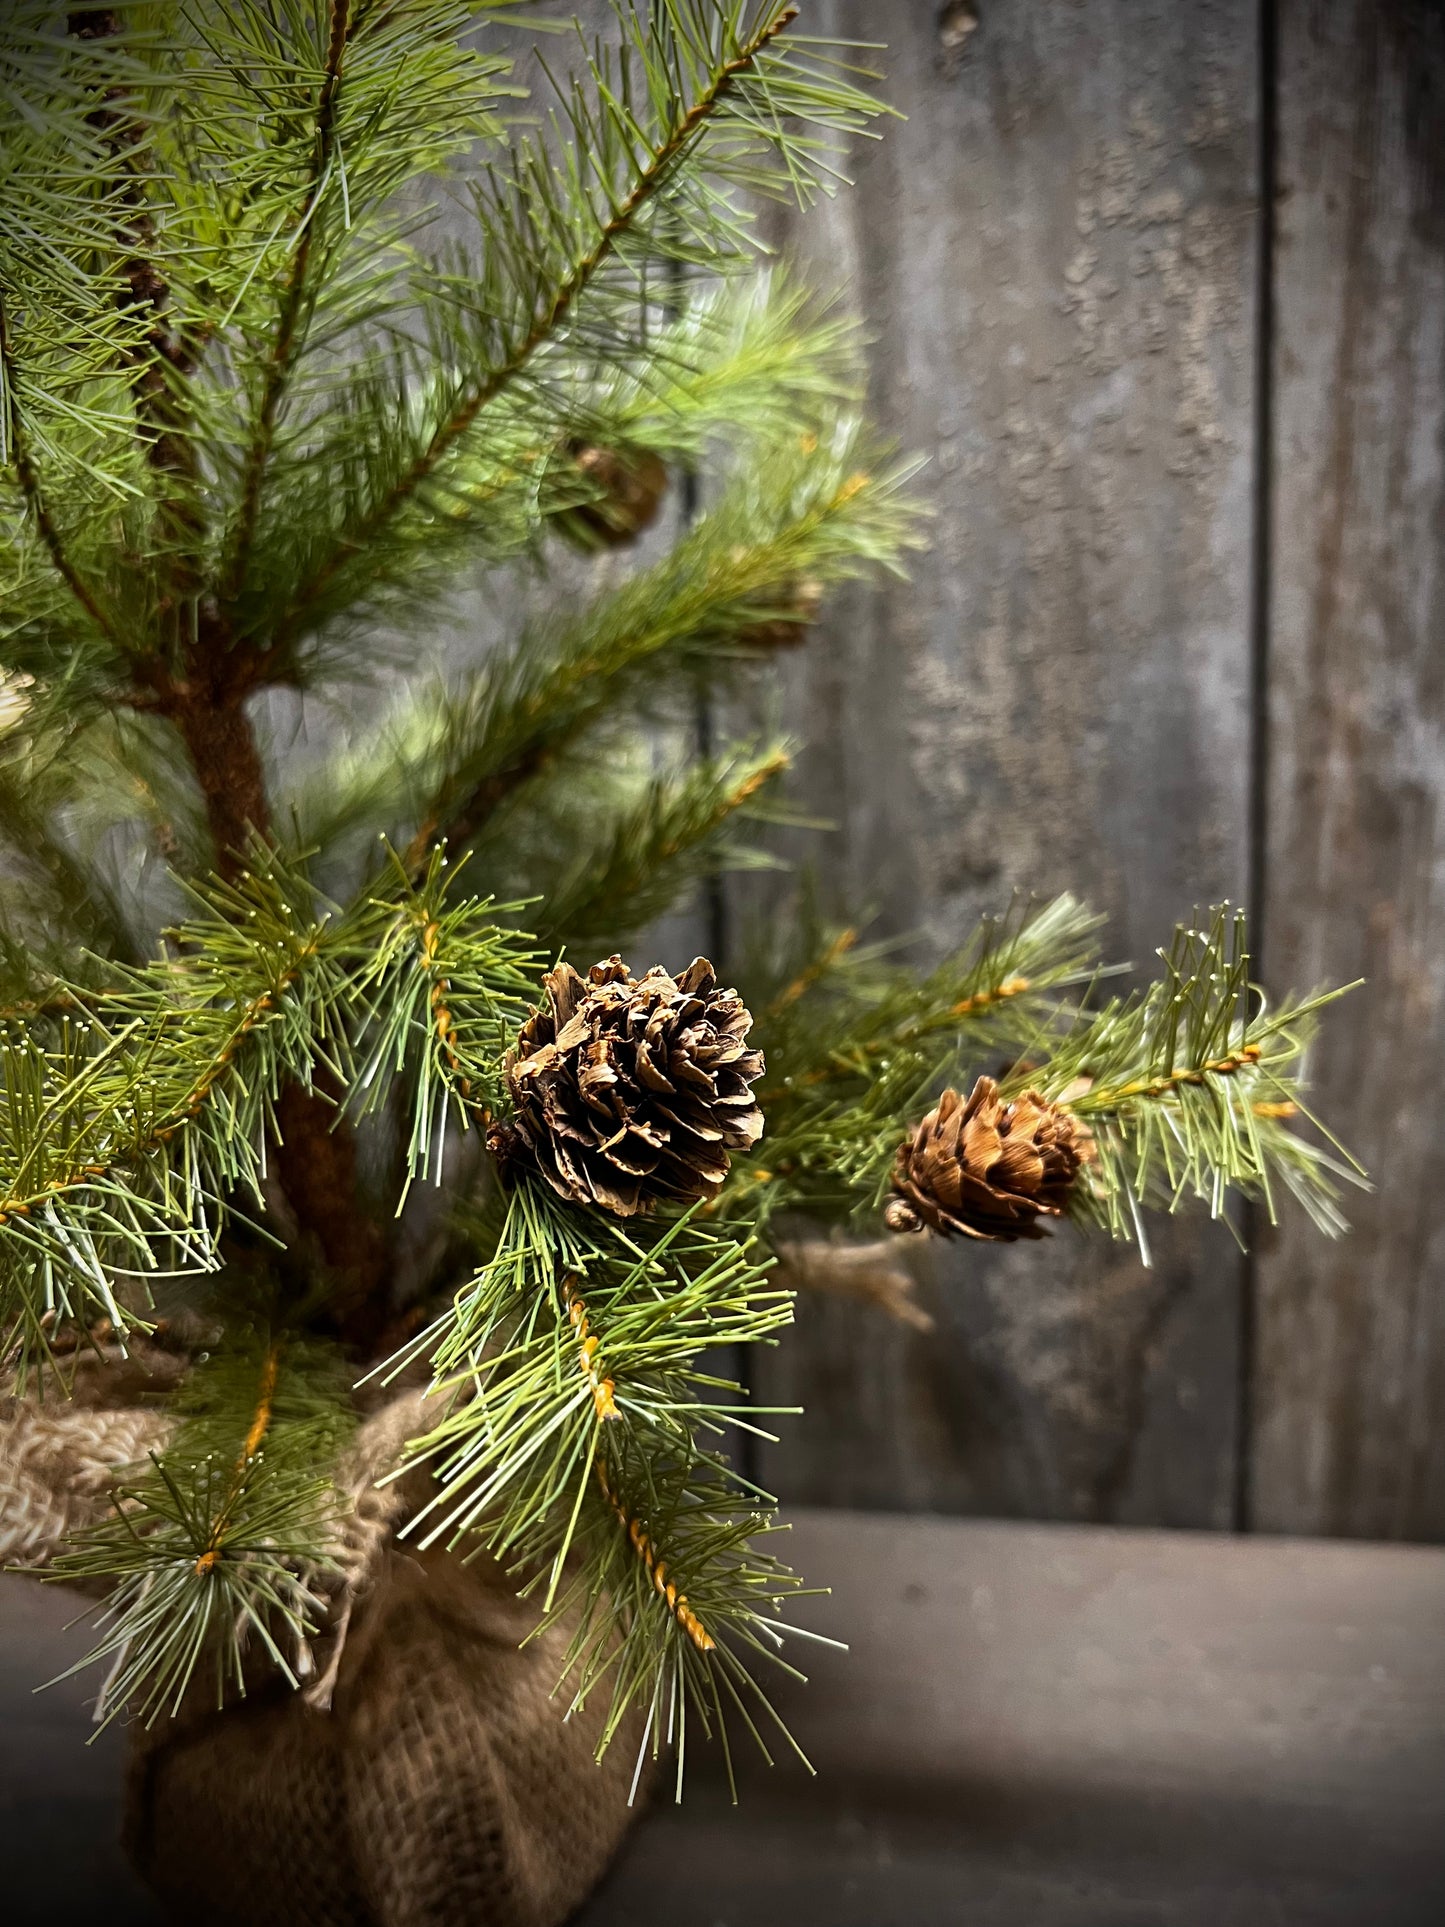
(58, 1455)
(424, 1777)
(442, 1789)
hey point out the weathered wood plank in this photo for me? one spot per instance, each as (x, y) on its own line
(1351, 1340)
(1056, 256)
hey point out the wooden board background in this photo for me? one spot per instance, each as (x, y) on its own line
(1349, 1432)
(1159, 290)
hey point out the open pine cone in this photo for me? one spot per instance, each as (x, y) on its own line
(631, 1091)
(987, 1168)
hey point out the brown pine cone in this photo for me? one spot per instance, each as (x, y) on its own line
(797, 611)
(987, 1168)
(630, 483)
(630, 1092)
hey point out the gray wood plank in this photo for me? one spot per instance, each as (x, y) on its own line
(1076, 1728)
(60, 1797)
(1054, 1727)
(1056, 256)
(1351, 1339)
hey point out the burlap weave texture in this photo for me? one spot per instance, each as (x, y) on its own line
(443, 1788)
(425, 1776)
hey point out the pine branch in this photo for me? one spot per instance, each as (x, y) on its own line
(858, 1044)
(75, 1175)
(750, 360)
(1189, 1090)
(814, 511)
(675, 1604)
(650, 179)
(122, 1142)
(251, 1446)
(129, 1135)
(155, 360)
(60, 902)
(570, 1391)
(442, 994)
(18, 453)
(280, 360)
(579, 218)
(619, 862)
(521, 1433)
(219, 1544)
(550, 319)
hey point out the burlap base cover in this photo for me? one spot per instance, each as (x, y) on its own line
(425, 1778)
(442, 1789)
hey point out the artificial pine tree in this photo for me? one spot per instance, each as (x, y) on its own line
(308, 314)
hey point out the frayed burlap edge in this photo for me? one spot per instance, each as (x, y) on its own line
(61, 1452)
(59, 1455)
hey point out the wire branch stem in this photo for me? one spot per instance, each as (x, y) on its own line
(255, 1439)
(30, 488)
(588, 1345)
(848, 1063)
(666, 1589)
(164, 354)
(463, 819)
(442, 1019)
(1150, 1087)
(818, 968)
(465, 816)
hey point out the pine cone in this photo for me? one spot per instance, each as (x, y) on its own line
(630, 483)
(631, 1091)
(797, 611)
(987, 1168)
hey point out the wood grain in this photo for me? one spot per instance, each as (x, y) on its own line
(1351, 1339)
(1055, 255)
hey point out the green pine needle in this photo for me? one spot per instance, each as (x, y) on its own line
(1193, 1089)
(221, 1542)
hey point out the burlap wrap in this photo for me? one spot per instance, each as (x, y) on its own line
(425, 1777)
(442, 1788)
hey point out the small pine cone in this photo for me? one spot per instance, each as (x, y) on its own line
(630, 483)
(630, 1092)
(987, 1168)
(787, 628)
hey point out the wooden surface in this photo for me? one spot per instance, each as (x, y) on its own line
(1350, 1433)
(1159, 292)
(1100, 678)
(1048, 1726)
(1055, 255)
